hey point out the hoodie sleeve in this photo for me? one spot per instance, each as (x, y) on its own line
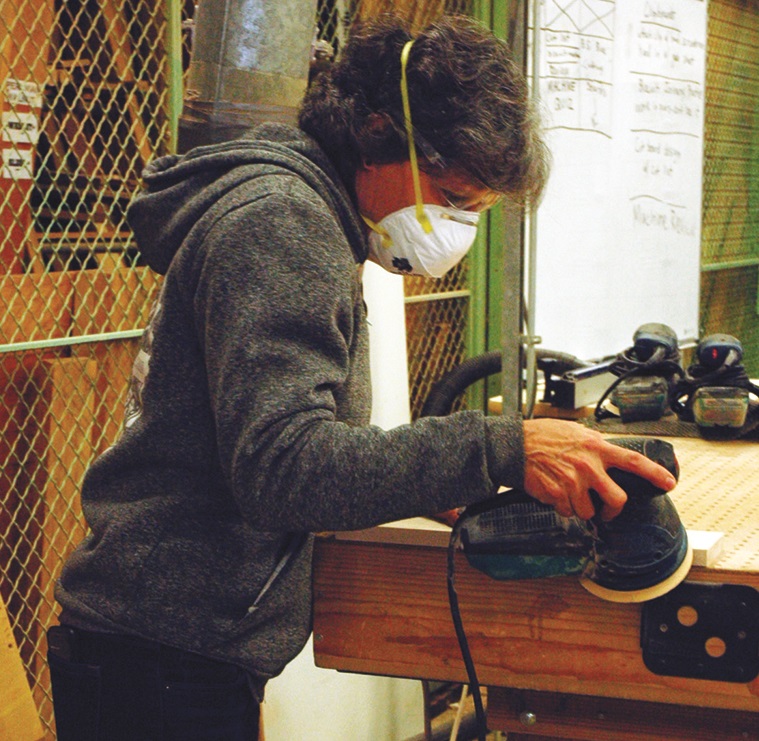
(275, 308)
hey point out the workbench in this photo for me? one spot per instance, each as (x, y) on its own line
(557, 662)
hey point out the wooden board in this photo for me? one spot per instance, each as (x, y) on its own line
(111, 302)
(553, 715)
(719, 491)
(63, 420)
(18, 715)
(34, 307)
(383, 609)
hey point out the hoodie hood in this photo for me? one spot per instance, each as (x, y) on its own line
(179, 189)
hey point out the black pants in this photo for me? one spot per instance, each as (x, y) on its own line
(118, 688)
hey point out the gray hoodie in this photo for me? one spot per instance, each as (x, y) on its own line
(247, 419)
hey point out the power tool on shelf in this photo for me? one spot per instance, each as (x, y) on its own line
(714, 391)
(646, 374)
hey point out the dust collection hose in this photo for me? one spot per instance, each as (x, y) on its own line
(439, 403)
(444, 393)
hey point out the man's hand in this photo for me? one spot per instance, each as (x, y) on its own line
(564, 460)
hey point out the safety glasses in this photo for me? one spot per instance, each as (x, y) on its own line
(459, 188)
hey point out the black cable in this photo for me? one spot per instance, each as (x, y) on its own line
(453, 600)
(454, 382)
(439, 403)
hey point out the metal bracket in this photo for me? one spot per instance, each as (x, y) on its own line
(703, 631)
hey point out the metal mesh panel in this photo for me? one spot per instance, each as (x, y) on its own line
(436, 322)
(730, 235)
(85, 105)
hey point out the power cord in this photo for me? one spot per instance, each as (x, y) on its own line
(474, 686)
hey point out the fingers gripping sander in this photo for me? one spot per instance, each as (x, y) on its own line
(639, 555)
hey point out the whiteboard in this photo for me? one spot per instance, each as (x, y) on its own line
(621, 89)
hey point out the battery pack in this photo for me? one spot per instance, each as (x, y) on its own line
(720, 406)
(641, 398)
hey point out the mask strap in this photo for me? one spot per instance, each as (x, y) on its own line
(384, 234)
(421, 216)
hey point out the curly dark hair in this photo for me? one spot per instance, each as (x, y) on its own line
(469, 101)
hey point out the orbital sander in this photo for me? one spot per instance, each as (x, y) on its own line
(639, 555)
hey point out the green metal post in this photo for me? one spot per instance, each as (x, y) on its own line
(174, 69)
(479, 259)
(496, 262)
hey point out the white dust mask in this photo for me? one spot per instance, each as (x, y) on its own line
(423, 239)
(401, 244)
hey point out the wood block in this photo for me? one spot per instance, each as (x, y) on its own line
(22, 379)
(66, 421)
(111, 301)
(707, 547)
(18, 715)
(45, 448)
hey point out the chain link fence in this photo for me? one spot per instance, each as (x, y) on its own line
(83, 96)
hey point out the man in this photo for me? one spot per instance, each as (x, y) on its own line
(247, 421)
